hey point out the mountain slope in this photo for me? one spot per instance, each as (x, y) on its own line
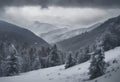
(13, 33)
(39, 28)
(78, 73)
(111, 26)
(52, 36)
(61, 34)
(75, 32)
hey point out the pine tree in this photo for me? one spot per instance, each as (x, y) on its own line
(54, 57)
(1, 58)
(33, 59)
(70, 61)
(24, 52)
(12, 62)
(97, 67)
(36, 63)
(83, 55)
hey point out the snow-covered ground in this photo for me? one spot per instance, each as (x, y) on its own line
(52, 74)
(78, 73)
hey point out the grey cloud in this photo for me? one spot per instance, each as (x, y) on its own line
(4, 3)
(63, 3)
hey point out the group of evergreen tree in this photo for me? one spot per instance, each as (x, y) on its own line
(96, 55)
(15, 58)
(77, 57)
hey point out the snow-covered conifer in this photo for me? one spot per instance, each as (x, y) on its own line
(97, 66)
(69, 61)
(12, 62)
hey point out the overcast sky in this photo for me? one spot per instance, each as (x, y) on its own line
(75, 13)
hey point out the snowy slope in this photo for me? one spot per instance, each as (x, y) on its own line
(78, 73)
(53, 74)
(112, 54)
(113, 76)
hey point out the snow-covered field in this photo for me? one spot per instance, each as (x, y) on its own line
(78, 73)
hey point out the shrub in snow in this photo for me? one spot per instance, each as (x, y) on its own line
(115, 61)
(96, 81)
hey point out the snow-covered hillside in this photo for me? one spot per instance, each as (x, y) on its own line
(78, 73)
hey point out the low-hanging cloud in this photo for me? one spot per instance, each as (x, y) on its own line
(58, 15)
(58, 12)
(62, 3)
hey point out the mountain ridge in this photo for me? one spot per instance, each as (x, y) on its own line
(11, 32)
(89, 38)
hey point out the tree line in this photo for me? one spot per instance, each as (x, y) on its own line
(15, 59)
